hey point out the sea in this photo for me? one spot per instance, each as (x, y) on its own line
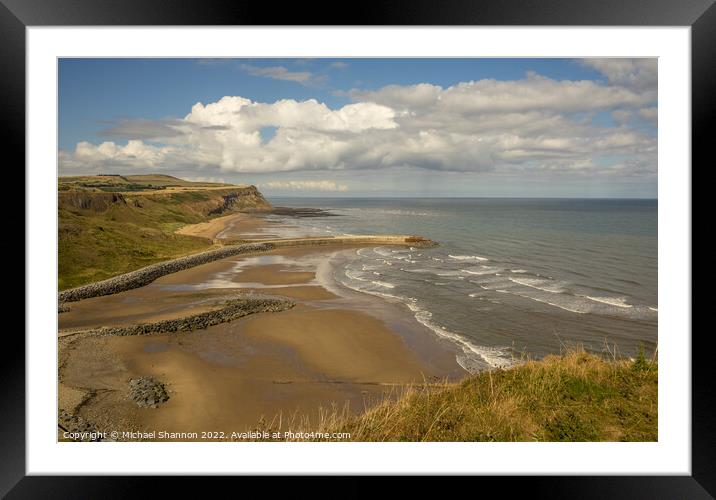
(511, 279)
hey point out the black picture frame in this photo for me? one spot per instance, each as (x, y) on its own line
(16, 15)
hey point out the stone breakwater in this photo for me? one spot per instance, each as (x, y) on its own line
(233, 309)
(145, 275)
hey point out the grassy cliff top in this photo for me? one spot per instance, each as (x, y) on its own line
(134, 183)
(575, 396)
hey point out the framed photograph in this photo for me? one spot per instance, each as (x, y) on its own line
(455, 242)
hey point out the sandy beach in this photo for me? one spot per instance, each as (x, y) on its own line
(336, 347)
(238, 223)
(354, 248)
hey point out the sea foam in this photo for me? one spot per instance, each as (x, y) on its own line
(538, 284)
(468, 257)
(612, 301)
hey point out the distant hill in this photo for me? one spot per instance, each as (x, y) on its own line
(111, 224)
(112, 182)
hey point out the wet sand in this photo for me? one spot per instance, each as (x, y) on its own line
(334, 348)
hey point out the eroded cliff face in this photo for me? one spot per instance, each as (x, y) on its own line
(244, 199)
(206, 202)
(89, 200)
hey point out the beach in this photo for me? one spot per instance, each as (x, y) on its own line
(293, 313)
(334, 348)
(416, 249)
(241, 224)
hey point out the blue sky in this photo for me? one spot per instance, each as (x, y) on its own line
(422, 126)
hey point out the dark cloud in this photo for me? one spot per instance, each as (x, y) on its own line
(145, 129)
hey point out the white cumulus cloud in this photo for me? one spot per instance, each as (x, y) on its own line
(640, 73)
(135, 154)
(528, 126)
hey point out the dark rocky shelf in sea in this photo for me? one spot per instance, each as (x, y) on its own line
(302, 212)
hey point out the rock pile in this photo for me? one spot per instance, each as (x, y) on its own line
(78, 426)
(233, 309)
(147, 392)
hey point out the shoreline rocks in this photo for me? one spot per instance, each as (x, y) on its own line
(234, 309)
(414, 241)
(302, 212)
(145, 275)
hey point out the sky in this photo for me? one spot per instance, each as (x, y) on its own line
(368, 127)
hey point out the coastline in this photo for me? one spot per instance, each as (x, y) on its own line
(331, 349)
(228, 248)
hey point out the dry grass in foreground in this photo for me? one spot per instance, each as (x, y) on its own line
(571, 397)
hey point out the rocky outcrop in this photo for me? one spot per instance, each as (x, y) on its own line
(413, 241)
(301, 213)
(243, 199)
(146, 275)
(147, 392)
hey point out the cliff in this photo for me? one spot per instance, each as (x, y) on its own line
(109, 225)
(200, 201)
